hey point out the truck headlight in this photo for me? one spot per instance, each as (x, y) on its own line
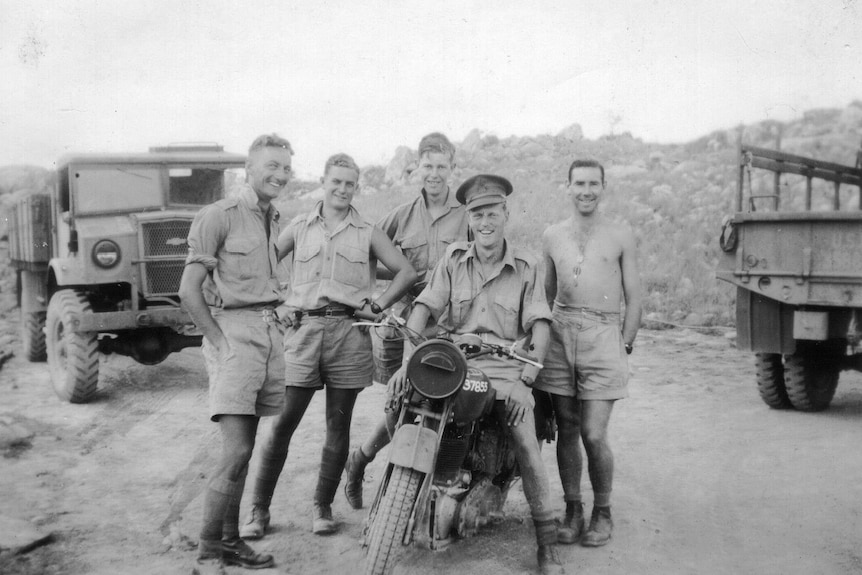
(106, 254)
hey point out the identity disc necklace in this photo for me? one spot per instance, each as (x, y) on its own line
(582, 238)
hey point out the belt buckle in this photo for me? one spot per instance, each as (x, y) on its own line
(267, 314)
(328, 312)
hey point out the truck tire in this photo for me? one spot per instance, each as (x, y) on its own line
(811, 373)
(386, 532)
(33, 335)
(770, 380)
(73, 357)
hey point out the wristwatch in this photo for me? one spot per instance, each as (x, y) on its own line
(629, 348)
(527, 381)
(375, 309)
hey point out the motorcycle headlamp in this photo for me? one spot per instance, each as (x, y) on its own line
(437, 368)
(106, 254)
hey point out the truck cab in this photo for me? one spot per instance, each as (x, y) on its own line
(100, 257)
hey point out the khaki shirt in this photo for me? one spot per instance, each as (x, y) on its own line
(229, 237)
(330, 268)
(422, 239)
(502, 308)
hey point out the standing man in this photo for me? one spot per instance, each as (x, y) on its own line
(334, 261)
(591, 266)
(422, 230)
(230, 289)
(491, 288)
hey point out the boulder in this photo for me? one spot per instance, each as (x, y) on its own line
(532, 149)
(400, 165)
(20, 536)
(13, 432)
(573, 133)
(473, 142)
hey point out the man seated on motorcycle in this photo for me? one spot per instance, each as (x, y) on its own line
(490, 288)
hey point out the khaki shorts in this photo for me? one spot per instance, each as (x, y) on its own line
(327, 350)
(504, 373)
(249, 380)
(586, 357)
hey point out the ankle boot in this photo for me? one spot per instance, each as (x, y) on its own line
(549, 561)
(355, 471)
(573, 524)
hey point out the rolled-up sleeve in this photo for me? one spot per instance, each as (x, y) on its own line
(206, 236)
(436, 294)
(390, 223)
(534, 305)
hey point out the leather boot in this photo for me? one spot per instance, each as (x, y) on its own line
(256, 524)
(549, 561)
(572, 527)
(355, 471)
(601, 528)
(321, 520)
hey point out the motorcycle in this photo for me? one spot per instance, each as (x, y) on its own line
(450, 464)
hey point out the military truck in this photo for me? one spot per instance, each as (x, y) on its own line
(99, 257)
(793, 249)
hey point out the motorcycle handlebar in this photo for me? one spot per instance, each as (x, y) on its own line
(471, 344)
(488, 348)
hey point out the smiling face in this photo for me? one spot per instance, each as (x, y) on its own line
(339, 186)
(268, 171)
(435, 169)
(488, 224)
(586, 188)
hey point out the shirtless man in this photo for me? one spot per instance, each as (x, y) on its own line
(591, 266)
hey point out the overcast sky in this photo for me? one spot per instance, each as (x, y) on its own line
(366, 76)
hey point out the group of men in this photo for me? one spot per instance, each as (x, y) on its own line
(451, 269)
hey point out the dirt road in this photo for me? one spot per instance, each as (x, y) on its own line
(708, 479)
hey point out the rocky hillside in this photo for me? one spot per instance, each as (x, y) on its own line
(674, 196)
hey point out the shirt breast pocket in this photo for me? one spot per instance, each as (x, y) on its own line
(415, 249)
(459, 306)
(351, 267)
(306, 265)
(506, 310)
(241, 256)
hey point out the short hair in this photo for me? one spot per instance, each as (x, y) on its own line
(341, 161)
(586, 164)
(436, 143)
(269, 141)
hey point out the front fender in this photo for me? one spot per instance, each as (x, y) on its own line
(414, 447)
(67, 271)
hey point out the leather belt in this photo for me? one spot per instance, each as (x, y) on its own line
(330, 311)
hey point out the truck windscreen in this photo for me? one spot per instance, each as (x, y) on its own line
(117, 189)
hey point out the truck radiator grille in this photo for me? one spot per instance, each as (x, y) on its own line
(163, 278)
(166, 238)
(164, 248)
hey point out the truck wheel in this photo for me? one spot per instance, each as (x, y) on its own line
(811, 373)
(770, 380)
(386, 532)
(73, 357)
(33, 335)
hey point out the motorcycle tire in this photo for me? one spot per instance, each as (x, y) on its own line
(386, 533)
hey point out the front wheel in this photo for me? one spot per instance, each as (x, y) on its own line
(33, 335)
(73, 356)
(811, 373)
(770, 380)
(386, 532)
